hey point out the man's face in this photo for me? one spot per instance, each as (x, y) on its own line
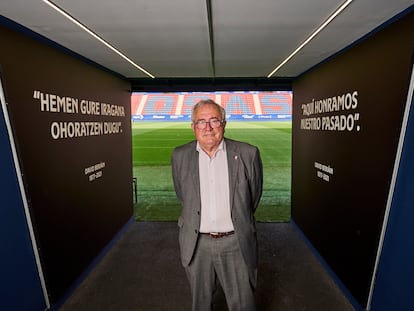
(209, 138)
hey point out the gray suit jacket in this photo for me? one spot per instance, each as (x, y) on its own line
(245, 181)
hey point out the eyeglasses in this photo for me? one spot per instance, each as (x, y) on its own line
(214, 123)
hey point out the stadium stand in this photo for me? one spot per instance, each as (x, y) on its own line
(238, 103)
(247, 105)
(280, 103)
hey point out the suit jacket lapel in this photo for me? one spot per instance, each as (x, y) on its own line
(193, 167)
(233, 160)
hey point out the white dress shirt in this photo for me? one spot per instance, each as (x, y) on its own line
(214, 190)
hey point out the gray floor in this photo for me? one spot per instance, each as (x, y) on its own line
(142, 272)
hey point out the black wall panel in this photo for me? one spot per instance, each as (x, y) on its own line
(347, 116)
(73, 134)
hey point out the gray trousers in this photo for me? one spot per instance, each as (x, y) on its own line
(220, 259)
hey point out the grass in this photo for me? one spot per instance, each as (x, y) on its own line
(153, 143)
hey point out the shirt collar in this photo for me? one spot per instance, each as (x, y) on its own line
(221, 147)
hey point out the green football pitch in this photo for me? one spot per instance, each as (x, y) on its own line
(153, 143)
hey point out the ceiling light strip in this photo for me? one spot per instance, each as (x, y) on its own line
(211, 36)
(313, 35)
(93, 34)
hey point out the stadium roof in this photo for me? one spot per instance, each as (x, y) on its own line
(204, 39)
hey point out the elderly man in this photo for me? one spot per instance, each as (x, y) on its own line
(219, 184)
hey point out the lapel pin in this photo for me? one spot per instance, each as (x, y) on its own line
(235, 157)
